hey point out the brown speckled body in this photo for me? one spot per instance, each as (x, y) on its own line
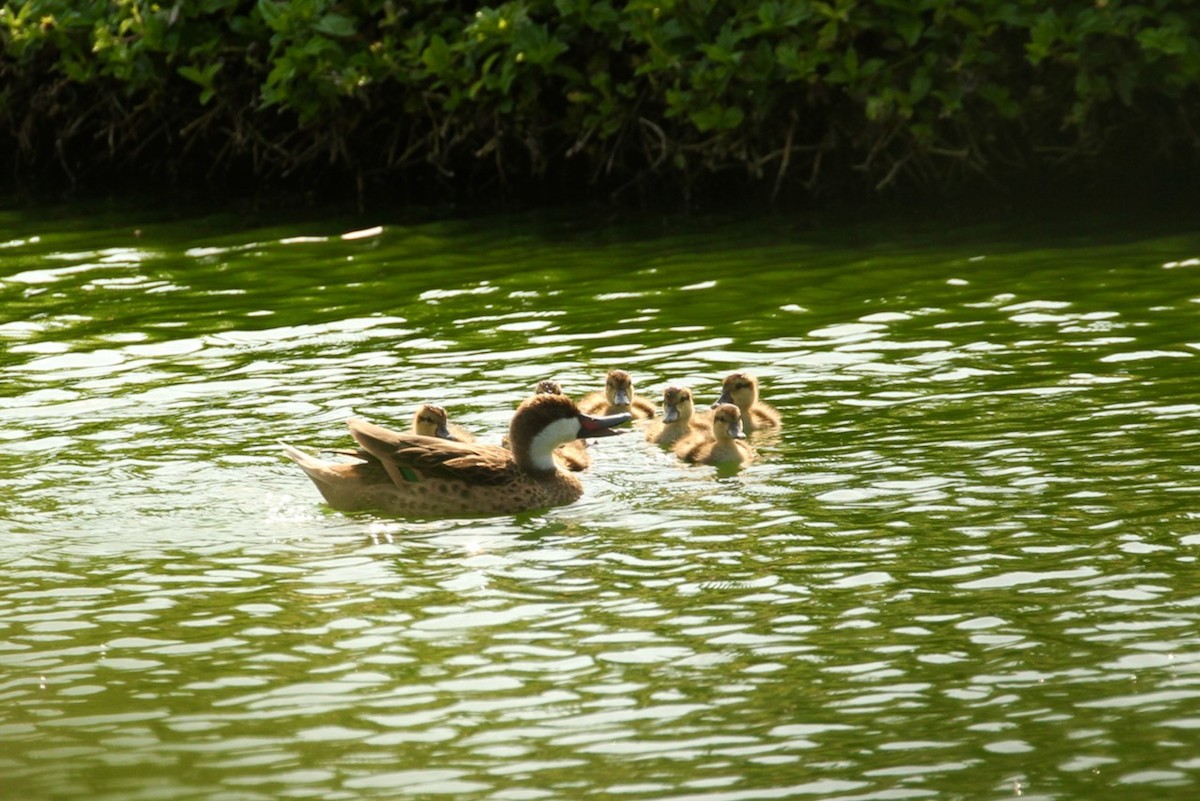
(723, 444)
(418, 476)
(741, 389)
(618, 397)
(679, 418)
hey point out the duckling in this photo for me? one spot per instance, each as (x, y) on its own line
(571, 456)
(724, 444)
(417, 476)
(430, 420)
(678, 418)
(618, 396)
(742, 389)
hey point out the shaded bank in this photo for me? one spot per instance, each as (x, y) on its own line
(572, 99)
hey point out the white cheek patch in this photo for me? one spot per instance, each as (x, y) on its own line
(541, 449)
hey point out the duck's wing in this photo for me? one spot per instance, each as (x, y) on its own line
(357, 453)
(410, 457)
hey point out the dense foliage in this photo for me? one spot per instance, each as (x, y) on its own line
(575, 96)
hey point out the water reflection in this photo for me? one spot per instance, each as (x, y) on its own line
(964, 567)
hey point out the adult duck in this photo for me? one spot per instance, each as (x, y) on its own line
(417, 476)
(678, 418)
(618, 397)
(724, 444)
(741, 389)
(573, 455)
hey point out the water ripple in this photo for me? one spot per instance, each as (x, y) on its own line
(966, 561)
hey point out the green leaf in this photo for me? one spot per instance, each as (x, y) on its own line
(715, 118)
(335, 25)
(437, 57)
(273, 13)
(878, 108)
(920, 85)
(1000, 97)
(910, 30)
(1164, 40)
(537, 47)
(1042, 37)
(201, 76)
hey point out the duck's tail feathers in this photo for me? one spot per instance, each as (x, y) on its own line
(298, 456)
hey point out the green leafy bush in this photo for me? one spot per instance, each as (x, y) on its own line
(796, 96)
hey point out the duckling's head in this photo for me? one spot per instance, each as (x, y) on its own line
(618, 388)
(727, 422)
(548, 387)
(430, 421)
(677, 404)
(739, 388)
(545, 421)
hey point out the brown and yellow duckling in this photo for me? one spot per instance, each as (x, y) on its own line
(574, 454)
(741, 389)
(417, 476)
(678, 418)
(724, 444)
(618, 397)
(431, 420)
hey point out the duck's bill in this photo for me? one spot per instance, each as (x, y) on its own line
(725, 398)
(736, 432)
(601, 426)
(670, 414)
(444, 433)
(621, 398)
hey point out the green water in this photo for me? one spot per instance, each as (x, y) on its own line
(966, 568)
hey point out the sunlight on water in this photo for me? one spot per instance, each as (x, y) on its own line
(965, 567)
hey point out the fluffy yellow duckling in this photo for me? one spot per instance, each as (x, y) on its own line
(430, 420)
(725, 444)
(678, 418)
(741, 389)
(618, 397)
